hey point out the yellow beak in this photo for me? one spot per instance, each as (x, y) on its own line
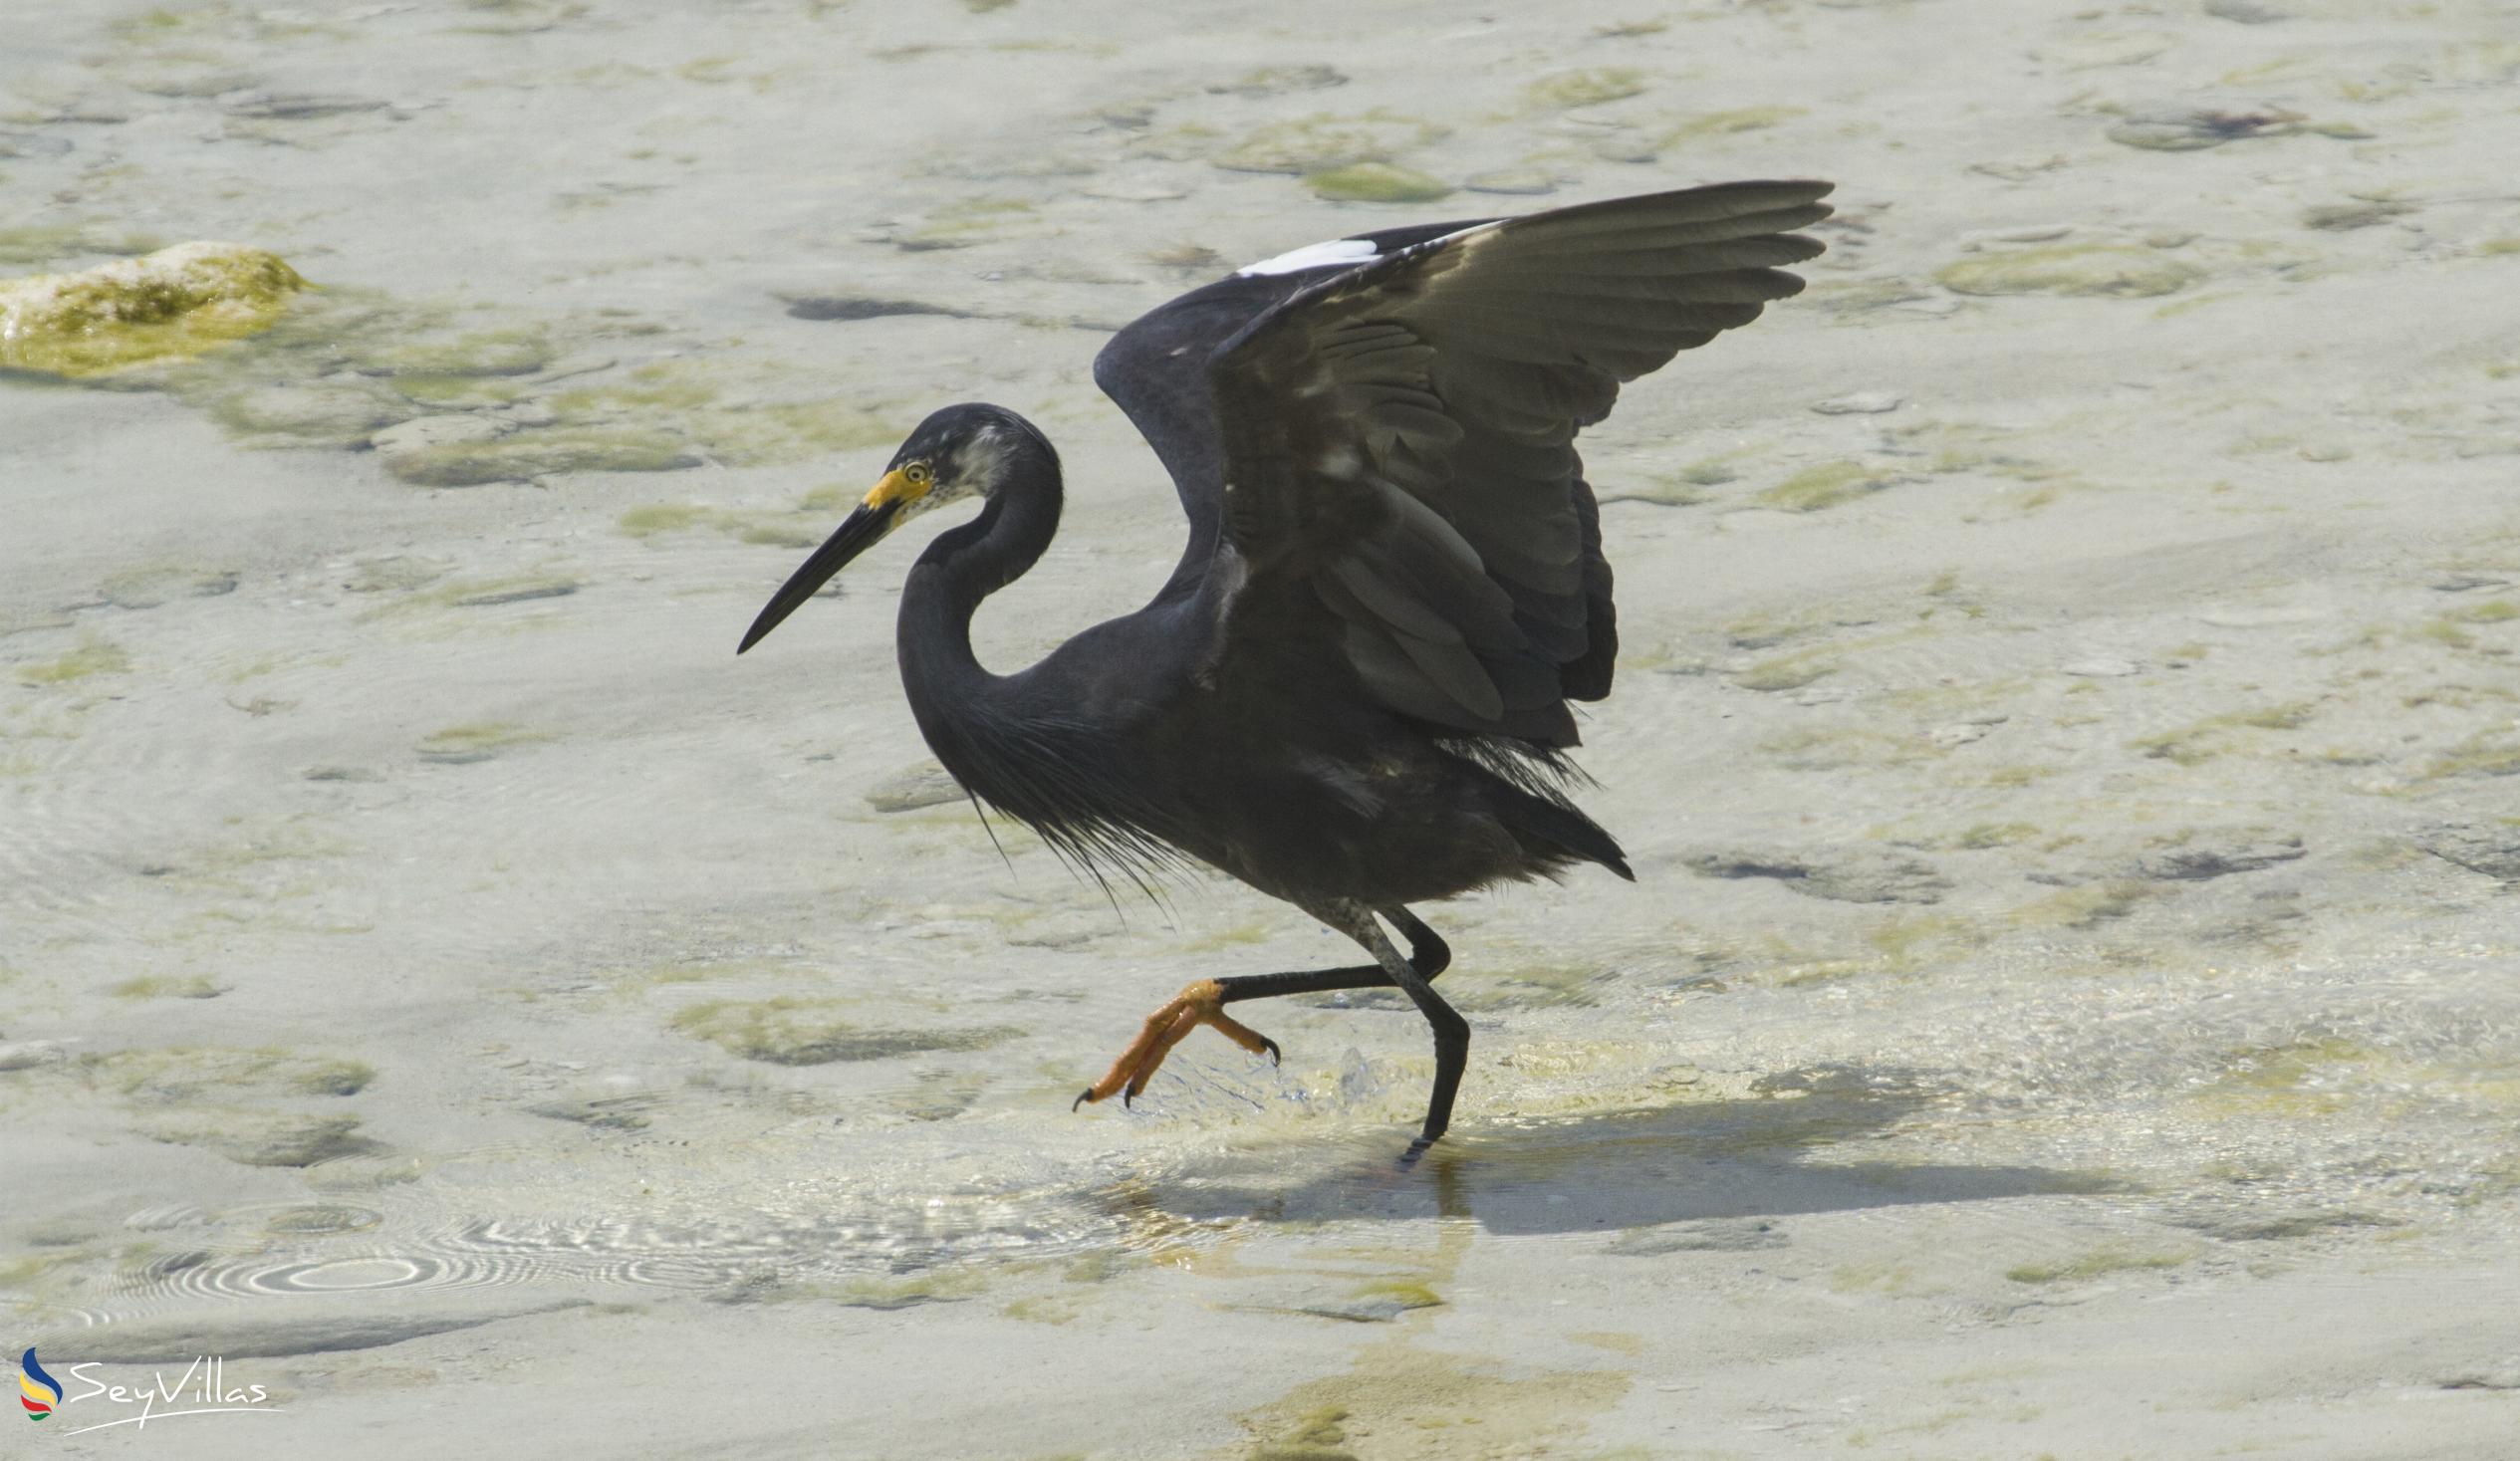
(896, 490)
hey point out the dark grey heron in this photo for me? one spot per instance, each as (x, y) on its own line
(1351, 693)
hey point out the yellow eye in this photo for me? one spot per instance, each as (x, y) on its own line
(917, 474)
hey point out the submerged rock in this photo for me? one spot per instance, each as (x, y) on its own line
(795, 1032)
(912, 787)
(850, 307)
(328, 414)
(2103, 667)
(2359, 213)
(262, 1141)
(1705, 1235)
(2221, 858)
(2193, 128)
(26, 1055)
(1513, 182)
(1278, 81)
(2480, 847)
(169, 304)
(1847, 876)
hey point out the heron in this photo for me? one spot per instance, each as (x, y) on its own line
(1353, 692)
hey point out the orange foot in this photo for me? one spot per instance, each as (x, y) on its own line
(1197, 1004)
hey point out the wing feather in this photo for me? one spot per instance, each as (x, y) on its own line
(1399, 435)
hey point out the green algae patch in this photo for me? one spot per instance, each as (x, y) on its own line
(1725, 123)
(44, 243)
(506, 351)
(905, 1293)
(1788, 671)
(1320, 143)
(182, 1075)
(339, 415)
(773, 432)
(2480, 754)
(797, 1032)
(197, 986)
(94, 656)
(541, 453)
(1986, 835)
(462, 744)
(1376, 182)
(1400, 1401)
(171, 305)
(1596, 87)
(802, 525)
(665, 516)
(1825, 486)
(2112, 271)
(2202, 741)
(661, 386)
(2306, 1078)
(1402, 1293)
(691, 397)
(2106, 1259)
(969, 222)
(2087, 907)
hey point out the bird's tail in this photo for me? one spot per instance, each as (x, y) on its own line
(1553, 831)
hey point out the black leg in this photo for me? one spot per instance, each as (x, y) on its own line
(1429, 956)
(1453, 1054)
(1203, 1003)
(1451, 1032)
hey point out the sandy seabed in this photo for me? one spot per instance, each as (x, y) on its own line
(2067, 739)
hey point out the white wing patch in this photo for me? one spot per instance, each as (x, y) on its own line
(1344, 253)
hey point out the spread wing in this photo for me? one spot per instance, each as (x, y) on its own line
(1398, 442)
(1156, 366)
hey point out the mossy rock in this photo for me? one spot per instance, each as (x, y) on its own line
(262, 1139)
(183, 1075)
(171, 305)
(337, 415)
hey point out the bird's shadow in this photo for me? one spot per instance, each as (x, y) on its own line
(1723, 1159)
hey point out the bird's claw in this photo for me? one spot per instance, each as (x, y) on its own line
(1197, 1004)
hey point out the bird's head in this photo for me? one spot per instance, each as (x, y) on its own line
(958, 452)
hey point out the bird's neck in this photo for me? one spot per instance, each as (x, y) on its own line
(966, 565)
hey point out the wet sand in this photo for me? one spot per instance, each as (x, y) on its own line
(2066, 737)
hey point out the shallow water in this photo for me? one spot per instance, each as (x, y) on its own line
(431, 965)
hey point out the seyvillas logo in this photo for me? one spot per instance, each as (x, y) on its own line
(38, 1391)
(202, 1388)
